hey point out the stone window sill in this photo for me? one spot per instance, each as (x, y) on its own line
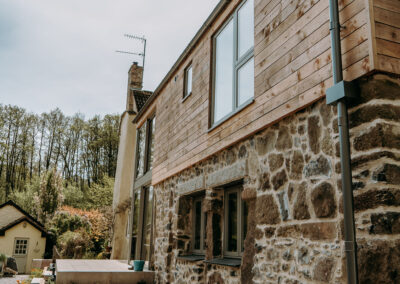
(232, 262)
(192, 257)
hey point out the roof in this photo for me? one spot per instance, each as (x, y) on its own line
(140, 98)
(11, 219)
(214, 14)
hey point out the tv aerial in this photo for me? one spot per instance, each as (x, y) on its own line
(142, 54)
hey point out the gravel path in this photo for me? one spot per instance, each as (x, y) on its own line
(13, 280)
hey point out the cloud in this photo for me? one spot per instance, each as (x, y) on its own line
(62, 53)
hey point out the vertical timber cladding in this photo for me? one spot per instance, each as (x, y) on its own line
(290, 174)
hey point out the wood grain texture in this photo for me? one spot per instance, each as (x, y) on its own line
(292, 70)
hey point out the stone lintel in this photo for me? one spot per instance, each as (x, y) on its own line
(227, 174)
(190, 186)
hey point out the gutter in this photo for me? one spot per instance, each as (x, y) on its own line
(206, 25)
(340, 93)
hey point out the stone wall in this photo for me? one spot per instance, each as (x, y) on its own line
(291, 181)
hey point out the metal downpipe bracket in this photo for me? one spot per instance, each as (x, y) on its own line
(350, 244)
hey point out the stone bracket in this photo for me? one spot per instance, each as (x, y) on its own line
(341, 90)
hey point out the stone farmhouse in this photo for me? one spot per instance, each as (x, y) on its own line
(232, 170)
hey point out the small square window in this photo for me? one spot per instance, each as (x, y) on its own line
(188, 81)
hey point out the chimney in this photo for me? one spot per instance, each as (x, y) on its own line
(135, 81)
(136, 76)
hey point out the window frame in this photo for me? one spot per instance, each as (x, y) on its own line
(147, 136)
(237, 64)
(240, 222)
(139, 246)
(203, 218)
(185, 81)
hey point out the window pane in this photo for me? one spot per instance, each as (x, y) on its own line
(152, 125)
(188, 83)
(232, 222)
(245, 27)
(135, 222)
(147, 222)
(197, 224)
(141, 140)
(223, 72)
(246, 81)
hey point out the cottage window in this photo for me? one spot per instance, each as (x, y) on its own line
(235, 222)
(188, 81)
(233, 84)
(199, 226)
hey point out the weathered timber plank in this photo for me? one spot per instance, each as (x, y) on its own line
(391, 5)
(389, 64)
(388, 48)
(387, 32)
(387, 17)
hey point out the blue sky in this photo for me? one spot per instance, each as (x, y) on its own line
(61, 53)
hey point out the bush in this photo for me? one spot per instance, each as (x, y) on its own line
(74, 244)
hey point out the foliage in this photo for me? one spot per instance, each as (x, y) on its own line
(82, 151)
(74, 244)
(99, 195)
(50, 195)
(3, 257)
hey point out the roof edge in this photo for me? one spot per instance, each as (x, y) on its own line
(214, 14)
(12, 203)
(20, 220)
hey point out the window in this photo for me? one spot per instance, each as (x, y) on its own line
(233, 84)
(199, 226)
(142, 211)
(20, 246)
(235, 221)
(188, 82)
(142, 223)
(145, 147)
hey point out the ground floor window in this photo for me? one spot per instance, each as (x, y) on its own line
(142, 223)
(235, 221)
(199, 226)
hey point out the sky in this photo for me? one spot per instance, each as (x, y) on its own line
(61, 53)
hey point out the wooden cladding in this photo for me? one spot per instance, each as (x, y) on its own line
(292, 69)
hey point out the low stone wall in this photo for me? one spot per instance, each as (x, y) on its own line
(291, 182)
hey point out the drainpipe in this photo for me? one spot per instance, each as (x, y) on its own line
(339, 93)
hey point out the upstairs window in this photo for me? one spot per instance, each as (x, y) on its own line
(233, 84)
(145, 147)
(188, 82)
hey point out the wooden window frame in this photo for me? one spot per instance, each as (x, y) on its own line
(203, 217)
(237, 64)
(240, 222)
(185, 81)
(19, 248)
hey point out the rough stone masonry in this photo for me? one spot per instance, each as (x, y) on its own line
(291, 182)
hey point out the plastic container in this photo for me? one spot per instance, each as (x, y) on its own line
(138, 265)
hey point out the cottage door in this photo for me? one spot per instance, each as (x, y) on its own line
(20, 253)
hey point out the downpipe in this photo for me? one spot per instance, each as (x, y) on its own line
(350, 244)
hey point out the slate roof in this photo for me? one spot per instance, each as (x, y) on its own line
(8, 221)
(141, 98)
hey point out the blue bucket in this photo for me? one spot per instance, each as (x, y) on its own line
(138, 265)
